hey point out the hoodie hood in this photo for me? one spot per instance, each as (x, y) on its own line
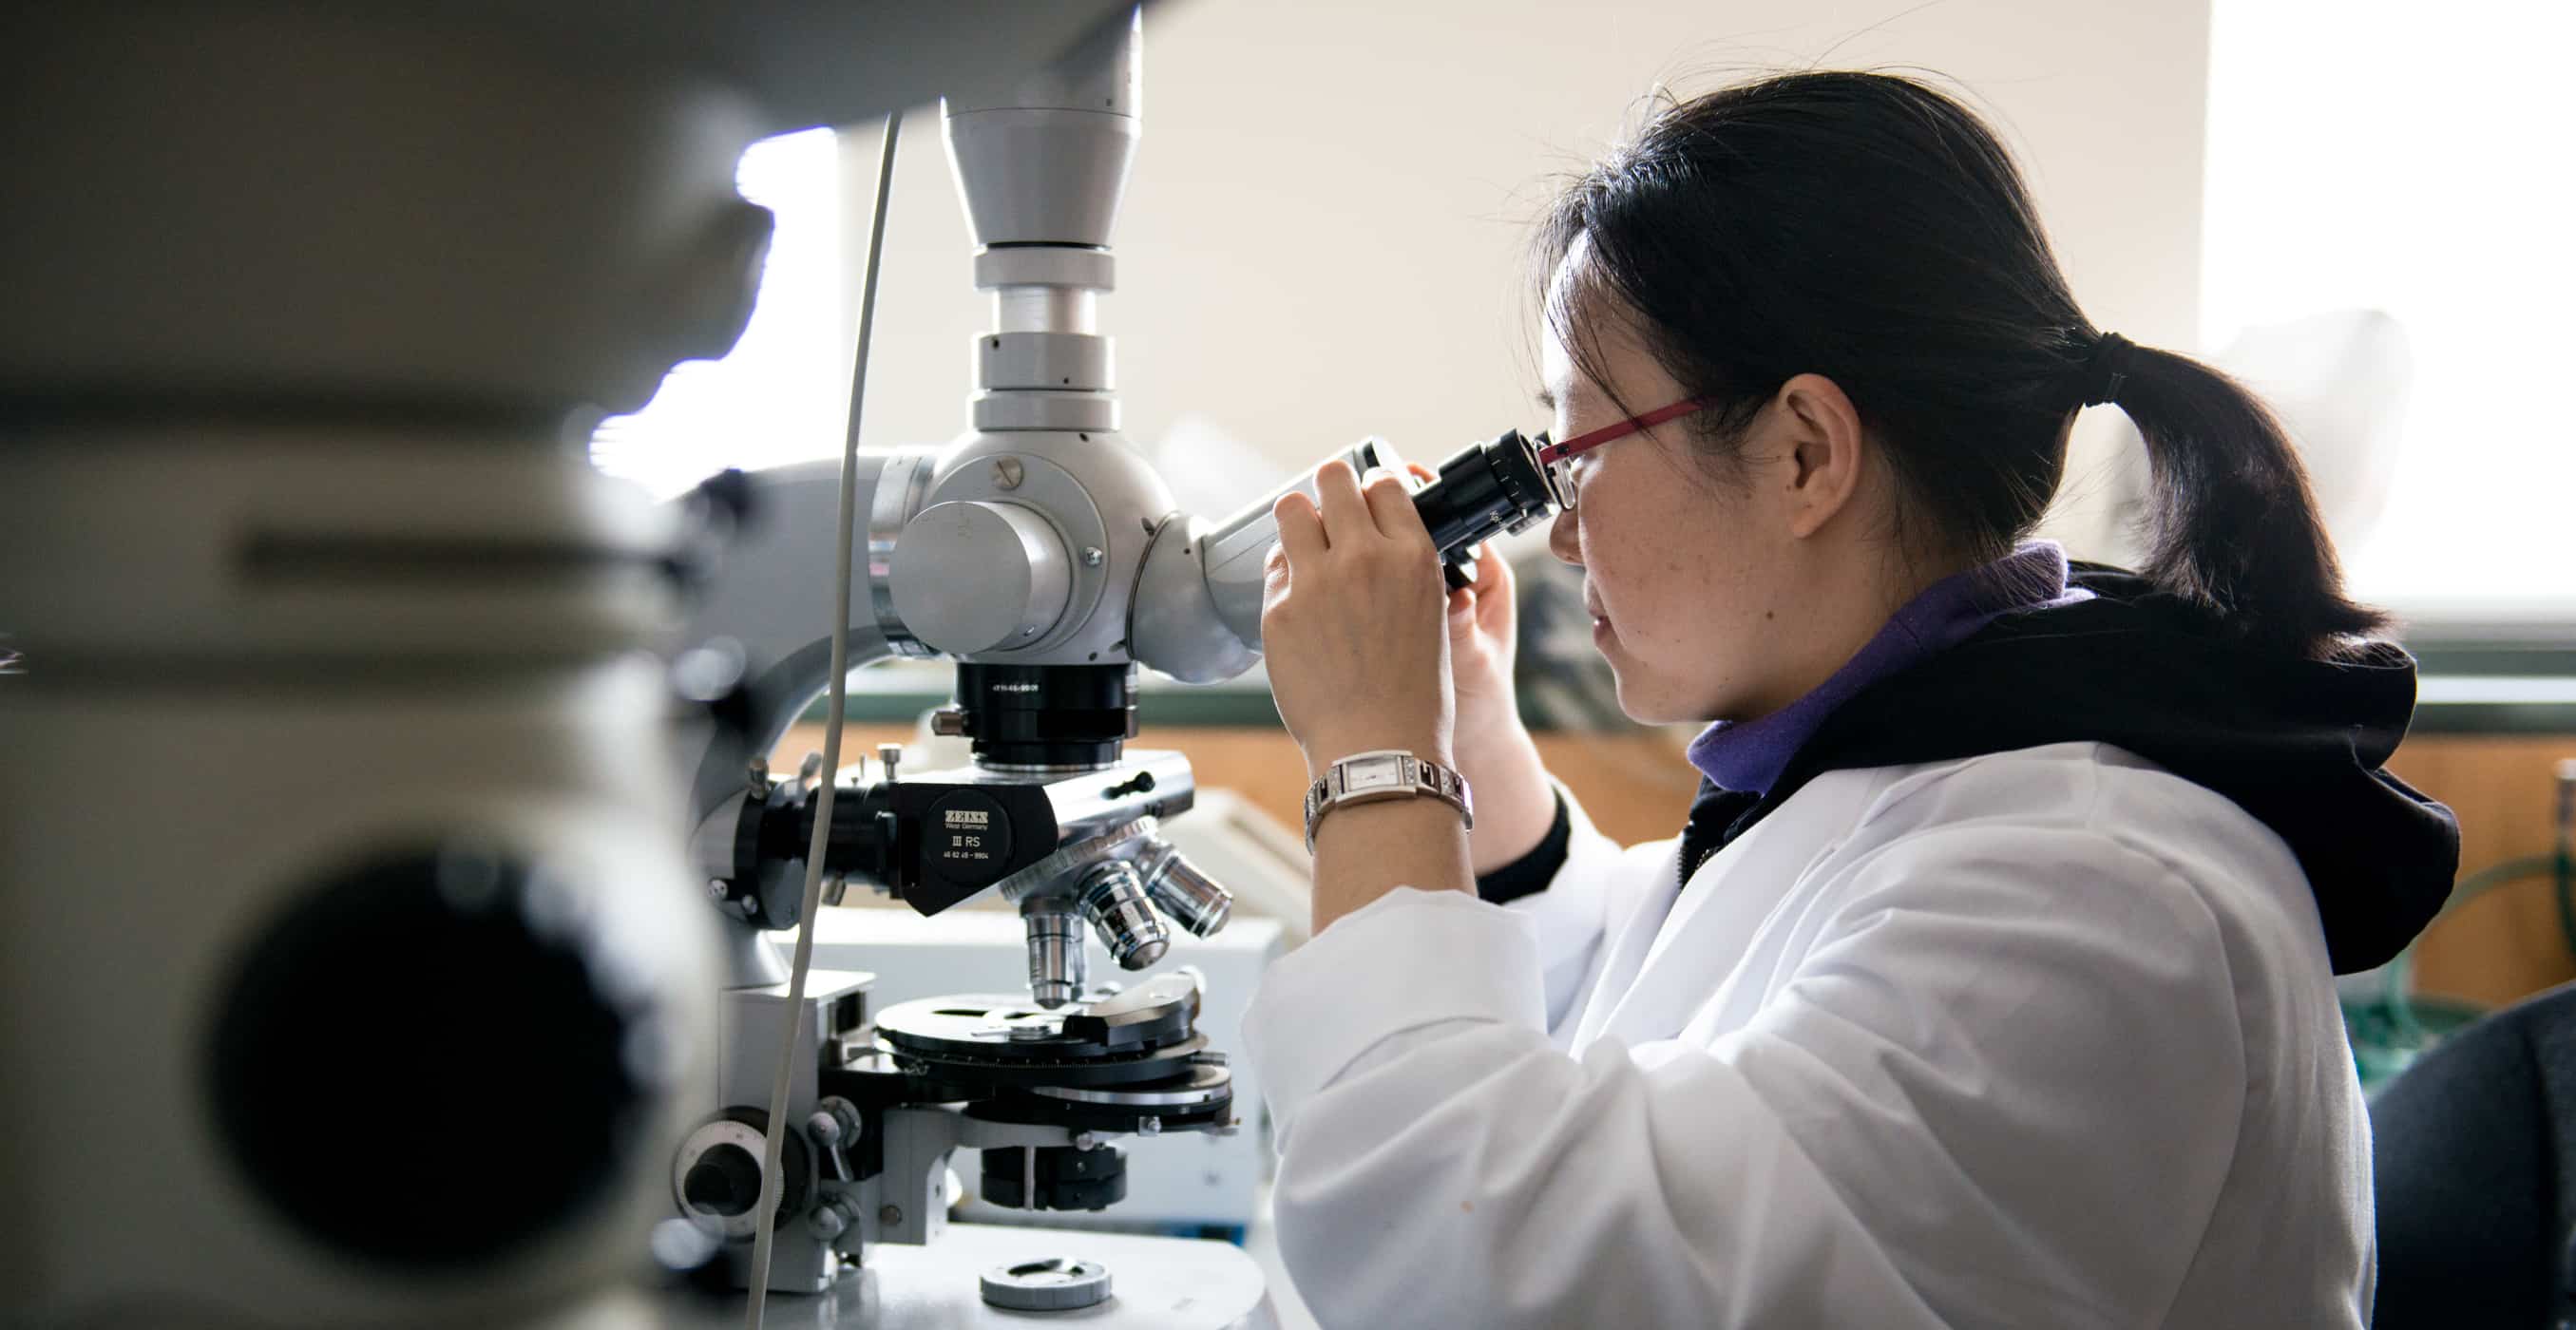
(2299, 744)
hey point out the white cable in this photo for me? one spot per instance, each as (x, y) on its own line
(774, 1143)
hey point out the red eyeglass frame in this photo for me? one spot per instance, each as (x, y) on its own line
(1553, 456)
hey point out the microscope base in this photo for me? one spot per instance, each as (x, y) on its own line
(1158, 1284)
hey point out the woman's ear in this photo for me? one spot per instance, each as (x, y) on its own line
(1824, 445)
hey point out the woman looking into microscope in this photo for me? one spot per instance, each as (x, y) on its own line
(1989, 981)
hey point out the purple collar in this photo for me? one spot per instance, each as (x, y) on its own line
(1749, 755)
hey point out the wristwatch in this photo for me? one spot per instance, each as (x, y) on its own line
(1385, 773)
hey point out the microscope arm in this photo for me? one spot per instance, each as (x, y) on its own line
(766, 604)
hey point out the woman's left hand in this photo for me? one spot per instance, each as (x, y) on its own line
(1352, 622)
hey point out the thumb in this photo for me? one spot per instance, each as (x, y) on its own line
(1462, 613)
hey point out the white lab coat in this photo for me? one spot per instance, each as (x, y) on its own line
(2041, 1038)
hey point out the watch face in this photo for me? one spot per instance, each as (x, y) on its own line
(1376, 773)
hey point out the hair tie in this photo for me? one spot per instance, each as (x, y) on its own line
(2106, 368)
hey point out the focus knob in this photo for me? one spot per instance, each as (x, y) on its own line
(725, 1181)
(715, 1177)
(974, 576)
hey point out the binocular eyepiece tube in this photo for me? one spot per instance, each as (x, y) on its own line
(1485, 490)
(1482, 491)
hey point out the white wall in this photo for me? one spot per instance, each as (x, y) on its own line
(1322, 238)
(2364, 159)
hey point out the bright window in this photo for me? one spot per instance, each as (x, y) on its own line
(2414, 158)
(782, 394)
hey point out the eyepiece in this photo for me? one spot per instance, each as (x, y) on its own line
(1484, 490)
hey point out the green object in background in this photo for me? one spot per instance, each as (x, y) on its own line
(2395, 1027)
(2386, 1040)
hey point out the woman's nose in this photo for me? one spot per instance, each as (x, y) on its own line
(1563, 540)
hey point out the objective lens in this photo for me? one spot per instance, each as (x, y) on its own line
(1113, 898)
(1057, 965)
(1183, 892)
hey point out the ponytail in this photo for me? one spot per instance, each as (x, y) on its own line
(2233, 526)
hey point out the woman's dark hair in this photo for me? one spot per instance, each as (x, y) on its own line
(1870, 229)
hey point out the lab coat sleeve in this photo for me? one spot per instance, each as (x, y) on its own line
(2004, 1074)
(1570, 919)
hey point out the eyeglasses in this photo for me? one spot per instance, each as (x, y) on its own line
(1558, 458)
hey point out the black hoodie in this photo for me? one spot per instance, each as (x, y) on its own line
(2299, 744)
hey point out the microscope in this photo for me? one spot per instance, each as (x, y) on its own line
(1041, 553)
(359, 961)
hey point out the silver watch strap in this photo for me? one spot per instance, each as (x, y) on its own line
(1385, 773)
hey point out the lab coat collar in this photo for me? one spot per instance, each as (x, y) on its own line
(2300, 744)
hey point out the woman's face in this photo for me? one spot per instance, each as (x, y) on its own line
(1691, 578)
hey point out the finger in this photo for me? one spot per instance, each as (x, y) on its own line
(1301, 529)
(1422, 473)
(1493, 574)
(1390, 506)
(1346, 514)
